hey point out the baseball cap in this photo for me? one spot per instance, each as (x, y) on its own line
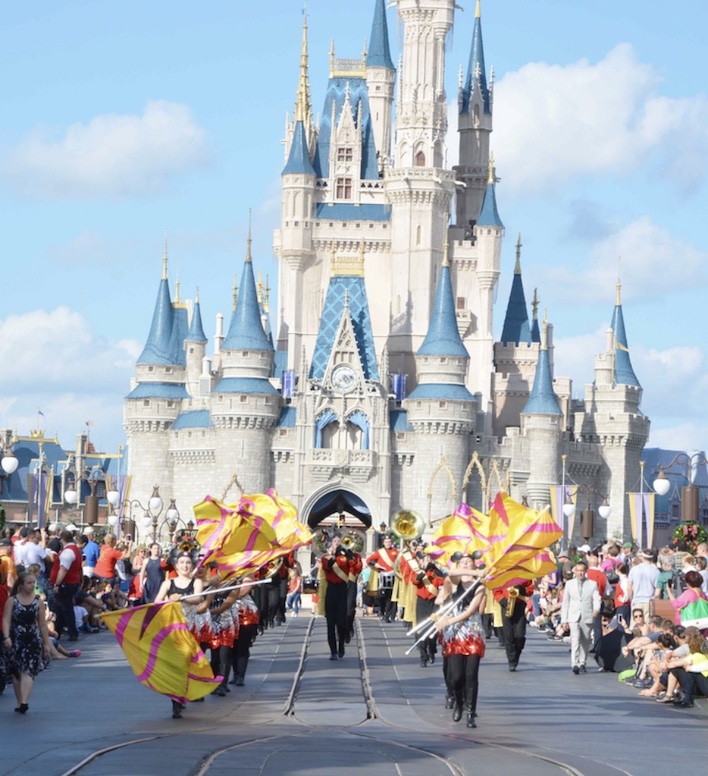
(584, 548)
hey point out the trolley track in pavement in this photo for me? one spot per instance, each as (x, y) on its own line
(297, 697)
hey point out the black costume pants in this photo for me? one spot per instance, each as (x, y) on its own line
(64, 608)
(514, 630)
(336, 613)
(463, 675)
(424, 607)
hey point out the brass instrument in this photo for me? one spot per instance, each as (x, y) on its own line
(408, 525)
(513, 594)
(353, 540)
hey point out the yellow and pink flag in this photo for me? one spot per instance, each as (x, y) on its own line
(162, 652)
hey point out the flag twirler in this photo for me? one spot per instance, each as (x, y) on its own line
(162, 652)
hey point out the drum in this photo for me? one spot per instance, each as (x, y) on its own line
(386, 580)
(310, 585)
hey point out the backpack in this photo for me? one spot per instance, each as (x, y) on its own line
(678, 583)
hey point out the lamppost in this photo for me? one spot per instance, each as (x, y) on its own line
(151, 512)
(587, 515)
(689, 492)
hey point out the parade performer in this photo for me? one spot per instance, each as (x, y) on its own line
(334, 576)
(245, 613)
(184, 584)
(462, 638)
(223, 634)
(427, 583)
(512, 599)
(384, 560)
(408, 569)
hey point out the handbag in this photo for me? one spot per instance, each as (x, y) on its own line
(695, 614)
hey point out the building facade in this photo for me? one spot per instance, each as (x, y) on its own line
(382, 386)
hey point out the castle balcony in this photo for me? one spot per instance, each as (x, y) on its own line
(324, 464)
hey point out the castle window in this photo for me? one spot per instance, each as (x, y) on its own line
(461, 302)
(244, 399)
(170, 403)
(168, 370)
(442, 405)
(191, 350)
(420, 159)
(151, 369)
(146, 402)
(344, 188)
(345, 154)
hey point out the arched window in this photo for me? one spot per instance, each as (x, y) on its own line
(323, 420)
(420, 159)
(359, 419)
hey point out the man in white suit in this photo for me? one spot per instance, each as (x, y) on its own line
(580, 606)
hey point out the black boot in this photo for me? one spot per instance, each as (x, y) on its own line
(470, 717)
(423, 655)
(457, 707)
(449, 701)
(240, 670)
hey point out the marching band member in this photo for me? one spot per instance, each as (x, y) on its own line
(334, 576)
(427, 582)
(462, 637)
(384, 560)
(356, 566)
(512, 600)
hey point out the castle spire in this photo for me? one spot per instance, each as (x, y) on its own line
(624, 372)
(196, 329)
(516, 322)
(535, 332)
(303, 104)
(489, 216)
(443, 337)
(158, 348)
(543, 400)
(476, 72)
(246, 329)
(379, 51)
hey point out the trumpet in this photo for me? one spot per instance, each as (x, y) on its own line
(408, 525)
(352, 540)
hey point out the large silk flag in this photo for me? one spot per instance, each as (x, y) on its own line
(464, 531)
(162, 652)
(519, 538)
(241, 538)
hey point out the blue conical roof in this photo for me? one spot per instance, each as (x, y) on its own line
(158, 348)
(516, 322)
(299, 161)
(476, 71)
(490, 215)
(196, 329)
(443, 337)
(246, 330)
(379, 52)
(624, 373)
(179, 334)
(543, 400)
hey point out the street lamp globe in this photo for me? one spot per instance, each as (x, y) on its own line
(147, 520)
(9, 463)
(662, 484)
(71, 496)
(155, 502)
(605, 511)
(113, 497)
(569, 510)
(113, 520)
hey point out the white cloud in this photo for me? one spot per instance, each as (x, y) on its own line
(53, 362)
(682, 436)
(111, 156)
(654, 262)
(553, 123)
(44, 353)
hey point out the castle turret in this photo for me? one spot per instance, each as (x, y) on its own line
(440, 403)
(613, 418)
(244, 398)
(294, 240)
(380, 80)
(195, 348)
(158, 389)
(541, 426)
(475, 126)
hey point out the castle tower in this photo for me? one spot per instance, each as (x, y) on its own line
(158, 389)
(298, 204)
(440, 409)
(380, 81)
(613, 420)
(474, 126)
(195, 348)
(541, 426)
(244, 405)
(418, 187)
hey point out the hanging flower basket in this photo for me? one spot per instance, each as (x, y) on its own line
(688, 536)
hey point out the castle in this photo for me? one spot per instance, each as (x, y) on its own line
(382, 386)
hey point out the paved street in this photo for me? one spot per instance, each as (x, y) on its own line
(375, 711)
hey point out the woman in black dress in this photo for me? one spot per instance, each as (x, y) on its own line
(25, 638)
(152, 574)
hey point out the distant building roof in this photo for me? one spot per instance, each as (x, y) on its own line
(192, 419)
(175, 391)
(447, 391)
(257, 385)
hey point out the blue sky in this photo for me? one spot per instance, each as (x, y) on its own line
(121, 120)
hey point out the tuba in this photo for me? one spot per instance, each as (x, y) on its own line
(408, 525)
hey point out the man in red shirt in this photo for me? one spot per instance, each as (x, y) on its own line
(384, 560)
(65, 579)
(335, 566)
